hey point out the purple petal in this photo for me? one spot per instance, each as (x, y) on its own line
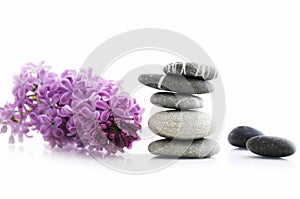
(137, 119)
(51, 141)
(45, 130)
(32, 80)
(45, 119)
(66, 111)
(87, 125)
(65, 73)
(80, 85)
(51, 75)
(102, 105)
(78, 94)
(42, 74)
(17, 80)
(124, 101)
(53, 85)
(3, 128)
(21, 92)
(65, 98)
(57, 121)
(87, 113)
(15, 89)
(72, 131)
(52, 113)
(42, 91)
(66, 84)
(119, 112)
(29, 103)
(104, 94)
(89, 93)
(97, 114)
(34, 117)
(58, 133)
(28, 86)
(104, 116)
(135, 109)
(114, 102)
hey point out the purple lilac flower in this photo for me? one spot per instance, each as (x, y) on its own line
(78, 109)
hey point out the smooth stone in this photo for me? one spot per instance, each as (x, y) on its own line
(240, 135)
(176, 83)
(201, 148)
(176, 100)
(181, 124)
(201, 71)
(271, 146)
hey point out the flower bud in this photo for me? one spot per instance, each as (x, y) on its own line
(103, 126)
(124, 132)
(3, 128)
(112, 136)
(108, 123)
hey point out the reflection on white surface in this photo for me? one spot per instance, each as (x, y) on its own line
(242, 158)
(32, 155)
(121, 162)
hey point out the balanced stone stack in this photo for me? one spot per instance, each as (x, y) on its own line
(184, 129)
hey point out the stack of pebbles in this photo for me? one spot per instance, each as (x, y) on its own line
(184, 129)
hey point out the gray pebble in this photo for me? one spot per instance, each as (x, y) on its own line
(271, 146)
(201, 71)
(176, 83)
(181, 124)
(184, 148)
(176, 100)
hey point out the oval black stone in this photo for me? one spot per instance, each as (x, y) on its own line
(241, 134)
(271, 146)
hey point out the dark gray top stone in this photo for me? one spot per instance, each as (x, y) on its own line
(271, 146)
(176, 100)
(201, 71)
(176, 83)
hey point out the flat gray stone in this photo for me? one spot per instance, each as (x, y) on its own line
(201, 71)
(176, 83)
(181, 124)
(271, 146)
(201, 148)
(176, 100)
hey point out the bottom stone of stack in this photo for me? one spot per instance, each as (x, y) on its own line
(200, 148)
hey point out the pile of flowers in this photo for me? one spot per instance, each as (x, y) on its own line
(75, 109)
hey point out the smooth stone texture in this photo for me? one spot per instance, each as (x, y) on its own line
(271, 146)
(176, 100)
(240, 135)
(181, 124)
(195, 70)
(176, 83)
(184, 148)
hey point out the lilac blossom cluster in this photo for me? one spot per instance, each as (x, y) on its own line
(75, 108)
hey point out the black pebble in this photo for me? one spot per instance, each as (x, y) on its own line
(271, 146)
(240, 135)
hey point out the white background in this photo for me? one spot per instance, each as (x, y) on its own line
(254, 44)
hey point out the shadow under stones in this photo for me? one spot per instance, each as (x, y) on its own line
(180, 158)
